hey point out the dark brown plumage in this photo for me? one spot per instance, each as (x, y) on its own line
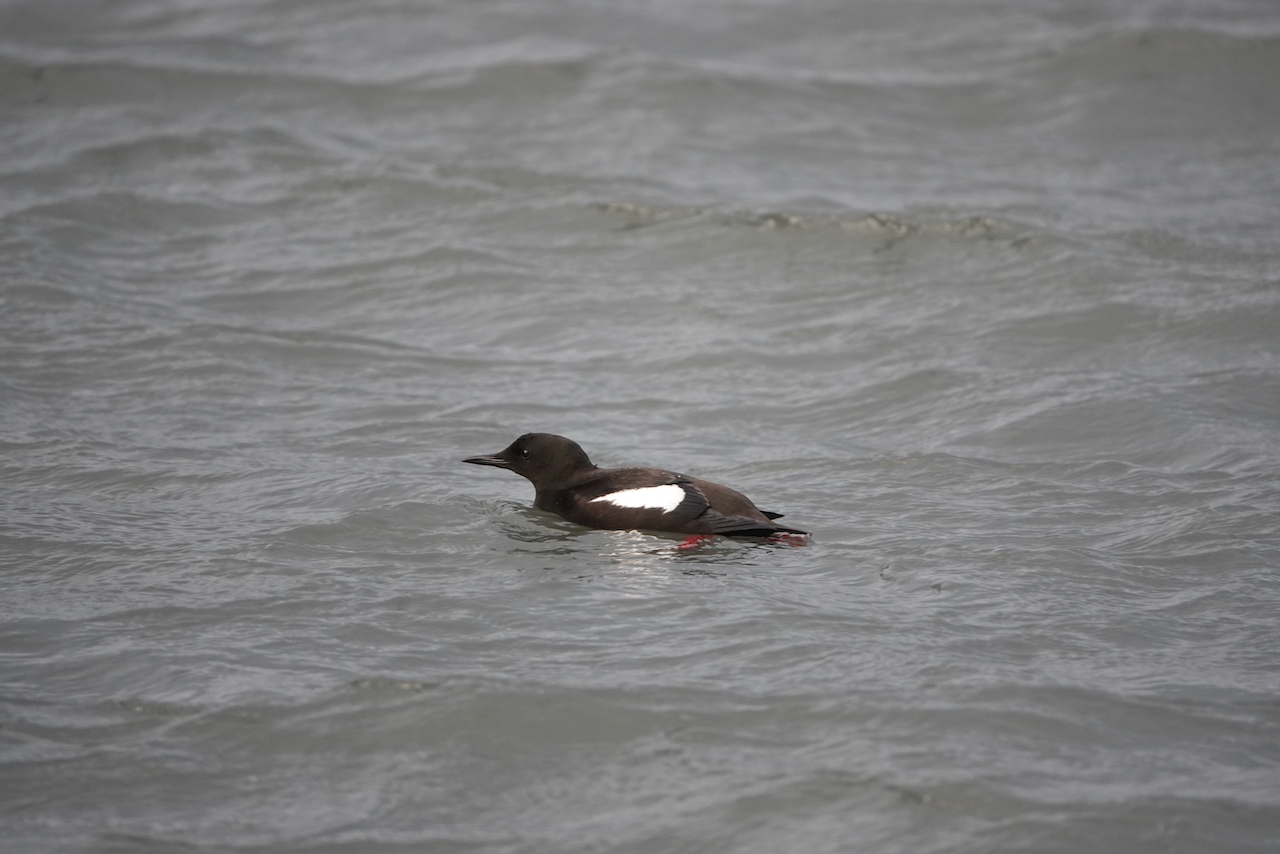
(571, 486)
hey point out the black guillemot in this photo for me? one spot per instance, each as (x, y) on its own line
(569, 485)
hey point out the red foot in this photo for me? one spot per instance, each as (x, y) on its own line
(787, 538)
(694, 541)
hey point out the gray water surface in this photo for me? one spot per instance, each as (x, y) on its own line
(986, 295)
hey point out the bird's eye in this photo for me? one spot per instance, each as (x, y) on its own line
(525, 453)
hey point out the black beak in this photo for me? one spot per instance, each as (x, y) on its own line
(489, 460)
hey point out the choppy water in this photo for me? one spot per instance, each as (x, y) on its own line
(987, 295)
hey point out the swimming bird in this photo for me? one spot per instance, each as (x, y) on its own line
(571, 486)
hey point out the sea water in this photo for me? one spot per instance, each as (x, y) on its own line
(985, 295)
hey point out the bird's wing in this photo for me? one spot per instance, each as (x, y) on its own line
(736, 526)
(657, 500)
(644, 498)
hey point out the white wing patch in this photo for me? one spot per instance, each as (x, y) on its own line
(665, 498)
